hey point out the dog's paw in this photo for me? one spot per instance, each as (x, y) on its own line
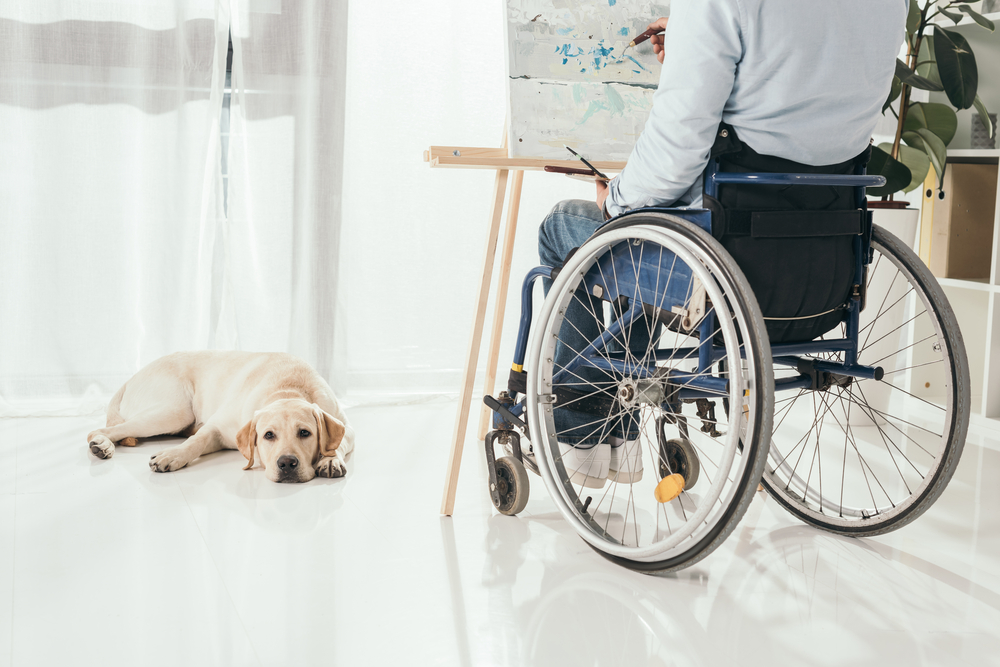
(330, 466)
(102, 447)
(168, 460)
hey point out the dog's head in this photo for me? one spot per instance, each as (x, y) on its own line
(290, 436)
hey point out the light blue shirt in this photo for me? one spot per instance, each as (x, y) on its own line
(798, 79)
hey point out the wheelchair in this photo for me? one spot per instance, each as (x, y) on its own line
(856, 430)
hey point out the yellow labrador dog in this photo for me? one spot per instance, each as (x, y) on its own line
(269, 406)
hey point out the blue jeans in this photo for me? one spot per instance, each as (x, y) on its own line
(568, 226)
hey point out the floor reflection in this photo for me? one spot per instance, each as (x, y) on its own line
(379, 578)
(777, 588)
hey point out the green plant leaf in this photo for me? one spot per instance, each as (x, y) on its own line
(913, 18)
(914, 80)
(927, 66)
(952, 15)
(897, 175)
(977, 17)
(894, 90)
(938, 118)
(957, 67)
(925, 140)
(915, 160)
(984, 116)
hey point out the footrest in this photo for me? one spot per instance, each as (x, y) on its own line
(496, 406)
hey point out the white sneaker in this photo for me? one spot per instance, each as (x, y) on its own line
(588, 467)
(626, 461)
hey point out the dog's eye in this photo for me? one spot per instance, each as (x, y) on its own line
(304, 433)
(269, 435)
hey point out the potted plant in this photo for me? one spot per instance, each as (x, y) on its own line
(937, 59)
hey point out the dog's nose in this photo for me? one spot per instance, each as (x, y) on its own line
(287, 463)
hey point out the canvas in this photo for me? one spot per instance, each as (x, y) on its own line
(570, 80)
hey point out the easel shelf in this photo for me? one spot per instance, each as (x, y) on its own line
(472, 157)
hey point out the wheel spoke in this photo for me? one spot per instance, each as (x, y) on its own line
(867, 406)
(865, 347)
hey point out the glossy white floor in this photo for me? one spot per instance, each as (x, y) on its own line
(107, 563)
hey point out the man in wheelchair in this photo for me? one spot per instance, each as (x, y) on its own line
(755, 86)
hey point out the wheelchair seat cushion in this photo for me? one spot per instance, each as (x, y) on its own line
(794, 243)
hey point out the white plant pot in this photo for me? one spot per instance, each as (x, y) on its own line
(901, 222)
(887, 335)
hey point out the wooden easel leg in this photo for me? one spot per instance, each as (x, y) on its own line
(472, 359)
(501, 298)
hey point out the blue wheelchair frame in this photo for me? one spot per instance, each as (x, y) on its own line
(700, 384)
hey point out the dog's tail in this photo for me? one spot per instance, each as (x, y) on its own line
(115, 418)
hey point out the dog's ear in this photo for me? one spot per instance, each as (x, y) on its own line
(331, 431)
(246, 441)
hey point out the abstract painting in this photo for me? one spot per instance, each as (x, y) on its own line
(570, 80)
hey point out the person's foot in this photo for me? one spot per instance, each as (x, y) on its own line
(625, 465)
(586, 464)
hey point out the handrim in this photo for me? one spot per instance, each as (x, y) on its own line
(718, 280)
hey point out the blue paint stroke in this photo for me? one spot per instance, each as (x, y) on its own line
(636, 62)
(564, 31)
(623, 31)
(594, 107)
(597, 57)
(601, 50)
(612, 3)
(617, 104)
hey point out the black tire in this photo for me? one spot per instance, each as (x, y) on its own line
(678, 456)
(512, 486)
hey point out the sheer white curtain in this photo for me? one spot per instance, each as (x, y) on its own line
(108, 187)
(118, 243)
(286, 170)
(115, 244)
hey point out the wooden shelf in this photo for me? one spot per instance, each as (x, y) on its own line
(475, 157)
(974, 155)
(976, 303)
(978, 285)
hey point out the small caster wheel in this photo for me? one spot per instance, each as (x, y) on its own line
(678, 456)
(511, 494)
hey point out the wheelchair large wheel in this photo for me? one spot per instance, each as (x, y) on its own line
(647, 398)
(864, 457)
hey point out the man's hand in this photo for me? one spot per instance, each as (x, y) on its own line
(657, 40)
(602, 193)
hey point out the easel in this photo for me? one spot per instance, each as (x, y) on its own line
(489, 158)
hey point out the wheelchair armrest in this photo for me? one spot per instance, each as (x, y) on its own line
(842, 180)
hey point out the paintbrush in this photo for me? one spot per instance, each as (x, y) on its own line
(640, 39)
(583, 160)
(569, 171)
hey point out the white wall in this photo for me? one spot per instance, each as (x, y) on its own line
(413, 237)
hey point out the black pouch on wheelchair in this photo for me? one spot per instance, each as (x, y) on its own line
(794, 243)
